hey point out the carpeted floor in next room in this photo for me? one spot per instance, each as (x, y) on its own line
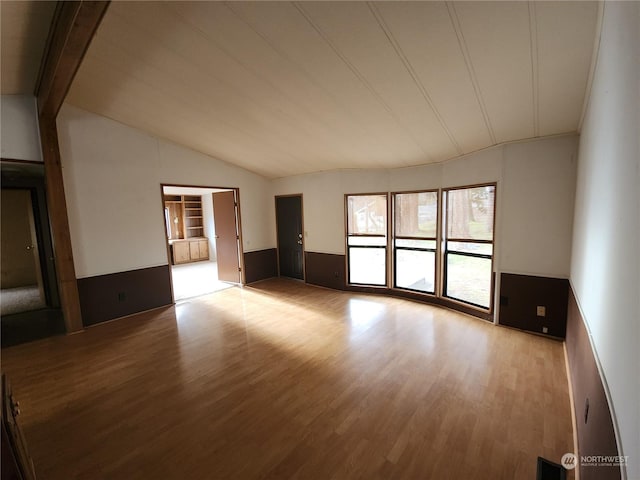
(20, 299)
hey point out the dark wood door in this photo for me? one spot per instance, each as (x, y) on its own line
(290, 236)
(225, 221)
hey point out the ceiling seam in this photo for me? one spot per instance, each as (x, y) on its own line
(287, 58)
(446, 160)
(198, 107)
(594, 62)
(358, 74)
(200, 110)
(533, 44)
(268, 109)
(407, 64)
(472, 74)
(294, 64)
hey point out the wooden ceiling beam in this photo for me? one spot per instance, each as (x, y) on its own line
(73, 26)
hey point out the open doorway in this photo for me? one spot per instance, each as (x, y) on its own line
(22, 286)
(29, 303)
(203, 239)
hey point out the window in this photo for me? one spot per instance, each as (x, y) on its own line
(414, 240)
(441, 242)
(367, 239)
(468, 244)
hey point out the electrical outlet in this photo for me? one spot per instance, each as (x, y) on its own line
(545, 330)
(121, 296)
(541, 311)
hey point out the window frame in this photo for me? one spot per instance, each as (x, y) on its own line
(435, 239)
(348, 235)
(445, 251)
(442, 251)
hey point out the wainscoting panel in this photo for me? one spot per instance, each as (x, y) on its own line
(105, 297)
(520, 295)
(260, 265)
(325, 269)
(594, 423)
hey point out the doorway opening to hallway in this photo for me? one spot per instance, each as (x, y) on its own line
(202, 228)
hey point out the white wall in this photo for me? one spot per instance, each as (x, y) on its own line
(112, 176)
(536, 184)
(538, 190)
(19, 134)
(605, 267)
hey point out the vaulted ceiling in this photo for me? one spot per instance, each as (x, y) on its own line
(24, 27)
(285, 88)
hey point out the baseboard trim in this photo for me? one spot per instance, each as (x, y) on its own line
(162, 307)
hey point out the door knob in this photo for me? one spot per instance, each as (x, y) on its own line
(299, 242)
(29, 247)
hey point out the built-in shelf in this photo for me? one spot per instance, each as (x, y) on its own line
(186, 223)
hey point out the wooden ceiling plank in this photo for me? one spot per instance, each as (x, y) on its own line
(501, 62)
(455, 21)
(428, 39)
(413, 74)
(563, 79)
(131, 46)
(168, 92)
(354, 35)
(328, 84)
(302, 46)
(230, 31)
(169, 61)
(137, 103)
(262, 87)
(129, 51)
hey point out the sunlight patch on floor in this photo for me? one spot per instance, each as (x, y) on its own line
(195, 279)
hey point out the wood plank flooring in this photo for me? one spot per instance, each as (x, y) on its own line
(285, 380)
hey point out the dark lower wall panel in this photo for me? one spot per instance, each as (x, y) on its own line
(260, 264)
(520, 295)
(325, 269)
(105, 297)
(594, 423)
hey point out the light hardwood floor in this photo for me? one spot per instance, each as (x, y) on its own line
(285, 380)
